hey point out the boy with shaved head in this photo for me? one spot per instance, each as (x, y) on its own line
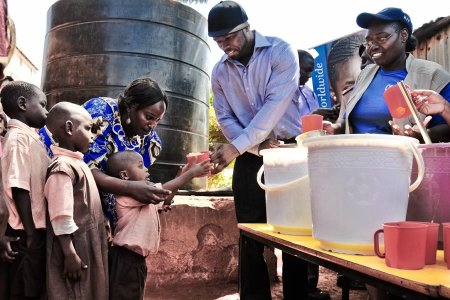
(77, 249)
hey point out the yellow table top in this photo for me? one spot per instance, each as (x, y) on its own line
(433, 280)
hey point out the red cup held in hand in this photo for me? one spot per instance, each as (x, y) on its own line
(396, 102)
(311, 122)
(197, 157)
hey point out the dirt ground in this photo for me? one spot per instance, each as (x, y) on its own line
(327, 282)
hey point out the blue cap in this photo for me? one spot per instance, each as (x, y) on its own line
(393, 14)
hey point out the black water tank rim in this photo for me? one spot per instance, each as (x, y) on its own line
(171, 128)
(70, 24)
(124, 53)
(86, 87)
(192, 99)
(55, 7)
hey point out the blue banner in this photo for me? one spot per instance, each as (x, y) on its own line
(320, 77)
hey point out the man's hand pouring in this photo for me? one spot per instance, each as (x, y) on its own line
(222, 156)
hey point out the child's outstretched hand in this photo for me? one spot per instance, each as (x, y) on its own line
(193, 159)
(201, 169)
(184, 169)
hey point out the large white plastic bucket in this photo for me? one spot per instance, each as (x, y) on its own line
(288, 204)
(358, 182)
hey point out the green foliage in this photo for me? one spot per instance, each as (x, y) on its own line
(215, 134)
(223, 179)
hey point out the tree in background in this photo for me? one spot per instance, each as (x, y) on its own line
(223, 179)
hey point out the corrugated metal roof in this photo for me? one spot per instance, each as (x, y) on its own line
(433, 42)
(430, 29)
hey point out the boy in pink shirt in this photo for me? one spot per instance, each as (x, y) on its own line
(24, 164)
(4, 214)
(6, 252)
(76, 239)
(138, 230)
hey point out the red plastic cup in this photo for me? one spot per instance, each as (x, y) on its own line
(432, 242)
(311, 122)
(404, 244)
(446, 237)
(396, 103)
(197, 157)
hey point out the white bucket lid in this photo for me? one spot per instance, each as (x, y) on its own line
(283, 149)
(382, 140)
(285, 154)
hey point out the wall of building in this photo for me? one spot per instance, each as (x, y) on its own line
(434, 42)
(21, 68)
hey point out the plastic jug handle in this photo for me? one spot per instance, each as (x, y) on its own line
(277, 187)
(420, 167)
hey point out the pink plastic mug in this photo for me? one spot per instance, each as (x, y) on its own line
(311, 122)
(396, 103)
(432, 242)
(404, 244)
(197, 157)
(446, 236)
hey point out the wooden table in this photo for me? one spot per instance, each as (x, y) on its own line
(431, 282)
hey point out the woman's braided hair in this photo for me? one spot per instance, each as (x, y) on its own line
(343, 50)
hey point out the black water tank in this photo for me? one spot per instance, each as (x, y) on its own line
(96, 47)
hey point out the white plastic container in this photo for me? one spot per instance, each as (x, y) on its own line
(358, 182)
(288, 202)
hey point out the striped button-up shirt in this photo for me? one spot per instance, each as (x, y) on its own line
(261, 99)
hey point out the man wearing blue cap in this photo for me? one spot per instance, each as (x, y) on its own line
(255, 86)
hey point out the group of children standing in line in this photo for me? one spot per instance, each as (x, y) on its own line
(52, 228)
